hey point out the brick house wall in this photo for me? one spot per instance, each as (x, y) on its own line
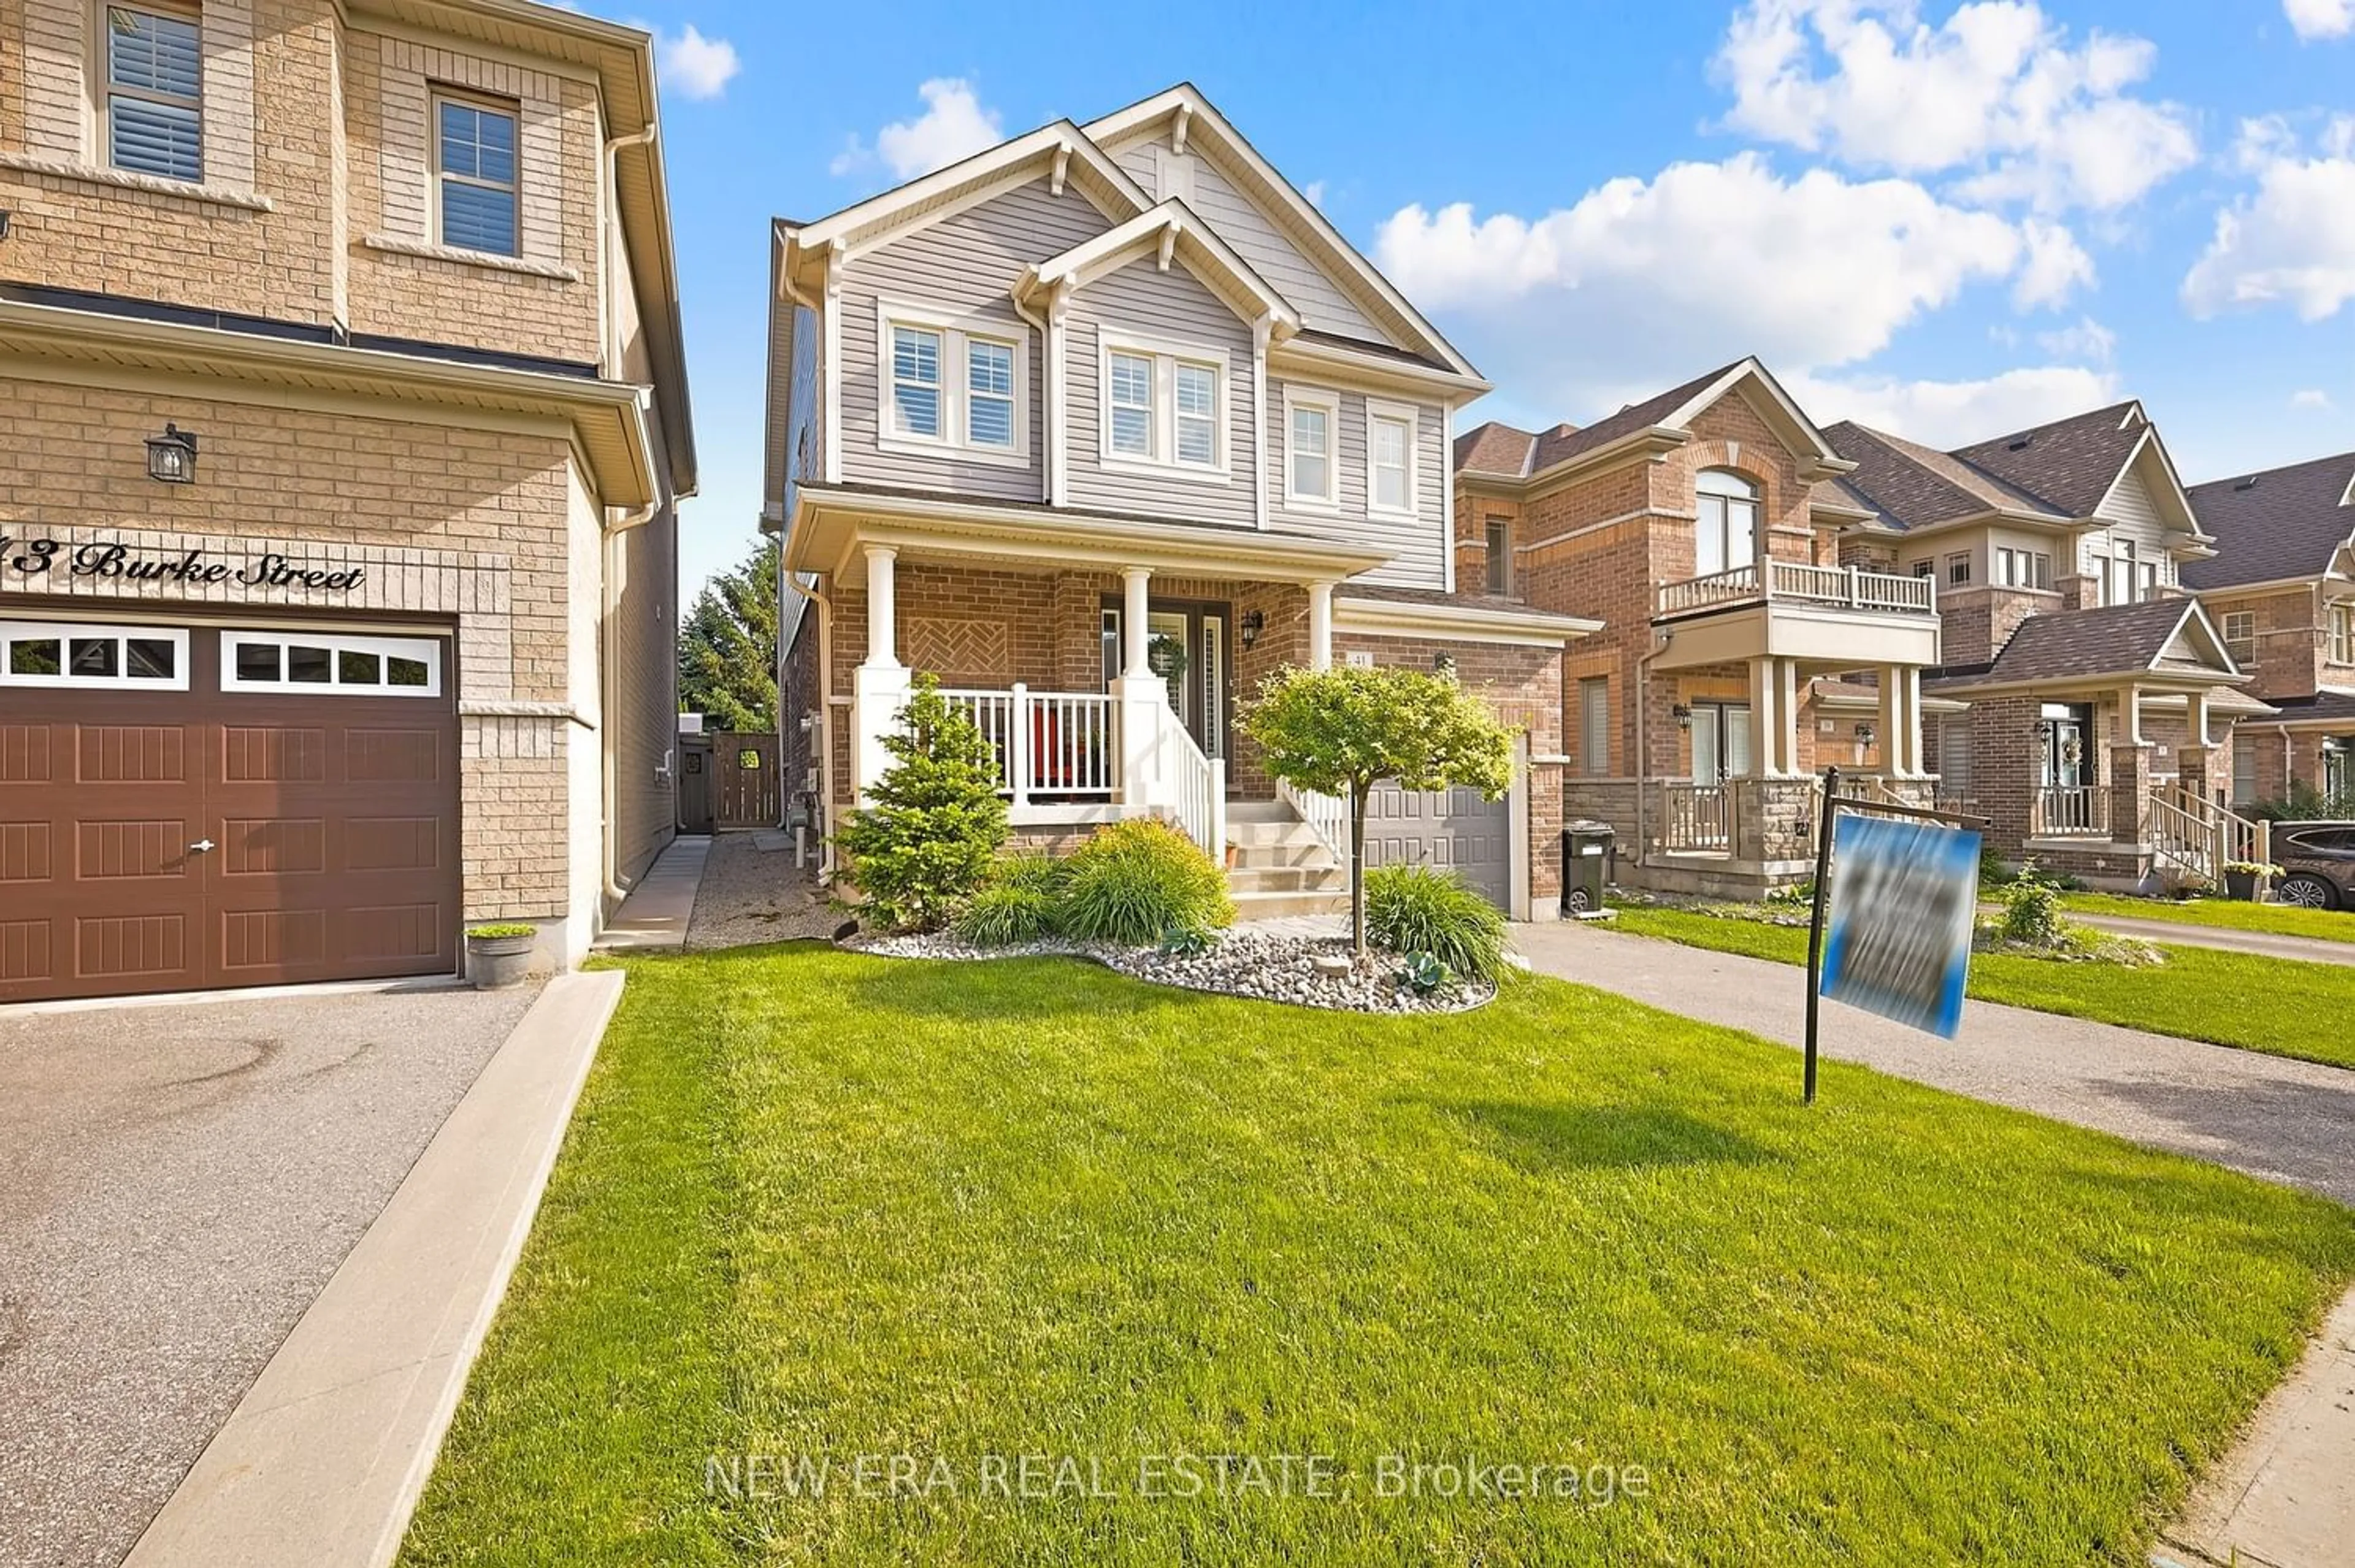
(1975, 623)
(2291, 645)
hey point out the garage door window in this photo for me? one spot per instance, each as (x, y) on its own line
(356, 667)
(53, 655)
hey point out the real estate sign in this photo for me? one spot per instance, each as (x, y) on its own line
(1897, 937)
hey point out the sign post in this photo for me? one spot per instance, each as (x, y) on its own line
(1896, 900)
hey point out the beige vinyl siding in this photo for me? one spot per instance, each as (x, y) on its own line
(1322, 304)
(2131, 515)
(1174, 309)
(964, 266)
(1413, 543)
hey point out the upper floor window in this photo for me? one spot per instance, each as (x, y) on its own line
(2022, 567)
(1500, 556)
(1312, 436)
(1726, 537)
(155, 91)
(1925, 567)
(1390, 458)
(1958, 569)
(2343, 634)
(2240, 629)
(949, 383)
(1165, 404)
(474, 176)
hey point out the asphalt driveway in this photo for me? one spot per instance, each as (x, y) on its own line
(177, 1183)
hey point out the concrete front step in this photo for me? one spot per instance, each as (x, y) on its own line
(1288, 880)
(1270, 834)
(1279, 906)
(1248, 856)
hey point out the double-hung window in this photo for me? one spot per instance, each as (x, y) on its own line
(2343, 634)
(1726, 535)
(1165, 404)
(2022, 567)
(1390, 459)
(1312, 465)
(2240, 630)
(474, 176)
(1595, 726)
(1500, 556)
(155, 91)
(947, 382)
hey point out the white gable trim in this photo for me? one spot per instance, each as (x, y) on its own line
(1203, 131)
(1058, 151)
(1181, 235)
(2167, 494)
(2195, 640)
(1751, 374)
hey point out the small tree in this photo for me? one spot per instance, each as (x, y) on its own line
(1342, 732)
(728, 646)
(926, 843)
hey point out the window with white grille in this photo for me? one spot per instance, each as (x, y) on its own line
(474, 168)
(1390, 459)
(1165, 404)
(155, 91)
(2240, 629)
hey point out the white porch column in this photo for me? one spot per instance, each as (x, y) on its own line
(1787, 708)
(880, 685)
(1142, 696)
(1891, 718)
(1916, 764)
(1320, 625)
(1766, 720)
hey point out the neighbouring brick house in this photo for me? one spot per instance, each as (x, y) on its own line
(2093, 693)
(1704, 528)
(344, 416)
(2281, 589)
(1102, 426)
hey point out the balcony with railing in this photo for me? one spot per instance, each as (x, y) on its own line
(1832, 587)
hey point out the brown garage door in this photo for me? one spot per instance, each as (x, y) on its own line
(297, 820)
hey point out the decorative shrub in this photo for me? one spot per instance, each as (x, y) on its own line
(1423, 974)
(499, 930)
(1417, 910)
(1137, 881)
(926, 844)
(2032, 911)
(1019, 903)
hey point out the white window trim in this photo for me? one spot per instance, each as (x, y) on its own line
(1167, 356)
(483, 104)
(956, 329)
(2242, 646)
(1946, 570)
(428, 650)
(1409, 416)
(101, 80)
(2339, 626)
(63, 631)
(1330, 401)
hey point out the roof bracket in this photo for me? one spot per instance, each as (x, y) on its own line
(1169, 244)
(1062, 164)
(1178, 130)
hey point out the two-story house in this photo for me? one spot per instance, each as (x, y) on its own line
(1101, 427)
(2281, 589)
(2097, 691)
(1704, 528)
(342, 415)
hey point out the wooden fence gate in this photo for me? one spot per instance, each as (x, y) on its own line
(744, 780)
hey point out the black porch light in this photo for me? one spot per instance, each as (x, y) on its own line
(1865, 732)
(1253, 624)
(1683, 715)
(172, 456)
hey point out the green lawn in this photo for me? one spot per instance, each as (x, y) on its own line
(2279, 1006)
(818, 1204)
(2280, 920)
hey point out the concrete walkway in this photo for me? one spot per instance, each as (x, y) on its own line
(2286, 1496)
(2264, 944)
(654, 917)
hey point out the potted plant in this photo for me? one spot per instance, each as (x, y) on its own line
(499, 955)
(2241, 878)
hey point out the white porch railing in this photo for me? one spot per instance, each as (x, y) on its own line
(2201, 836)
(2069, 811)
(1047, 742)
(1845, 587)
(1193, 786)
(1696, 816)
(1327, 816)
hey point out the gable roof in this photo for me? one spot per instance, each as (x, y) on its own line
(2070, 464)
(1494, 448)
(1203, 123)
(1915, 487)
(2277, 524)
(1179, 234)
(1668, 413)
(2159, 636)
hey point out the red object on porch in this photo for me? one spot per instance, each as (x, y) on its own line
(1048, 765)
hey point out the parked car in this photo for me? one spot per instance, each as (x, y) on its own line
(2317, 862)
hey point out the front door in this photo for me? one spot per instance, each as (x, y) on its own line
(1186, 647)
(1720, 741)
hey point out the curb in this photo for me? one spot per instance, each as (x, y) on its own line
(323, 1459)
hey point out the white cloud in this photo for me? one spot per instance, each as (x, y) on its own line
(1640, 283)
(2320, 19)
(1947, 414)
(1997, 96)
(1315, 191)
(695, 65)
(2292, 241)
(2088, 340)
(953, 126)
(2311, 397)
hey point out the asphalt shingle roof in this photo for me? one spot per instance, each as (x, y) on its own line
(2068, 464)
(2283, 522)
(1494, 448)
(2118, 639)
(1914, 486)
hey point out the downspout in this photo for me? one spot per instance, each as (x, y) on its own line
(824, 712)
(1050, 392)
(1643, 734)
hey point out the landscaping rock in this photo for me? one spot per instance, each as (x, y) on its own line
(1314, 972)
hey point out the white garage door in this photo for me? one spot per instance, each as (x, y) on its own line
(1454, 829)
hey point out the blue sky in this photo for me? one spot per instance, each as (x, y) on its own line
(1946, 220)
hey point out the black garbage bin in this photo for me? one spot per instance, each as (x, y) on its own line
(1586, 851)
